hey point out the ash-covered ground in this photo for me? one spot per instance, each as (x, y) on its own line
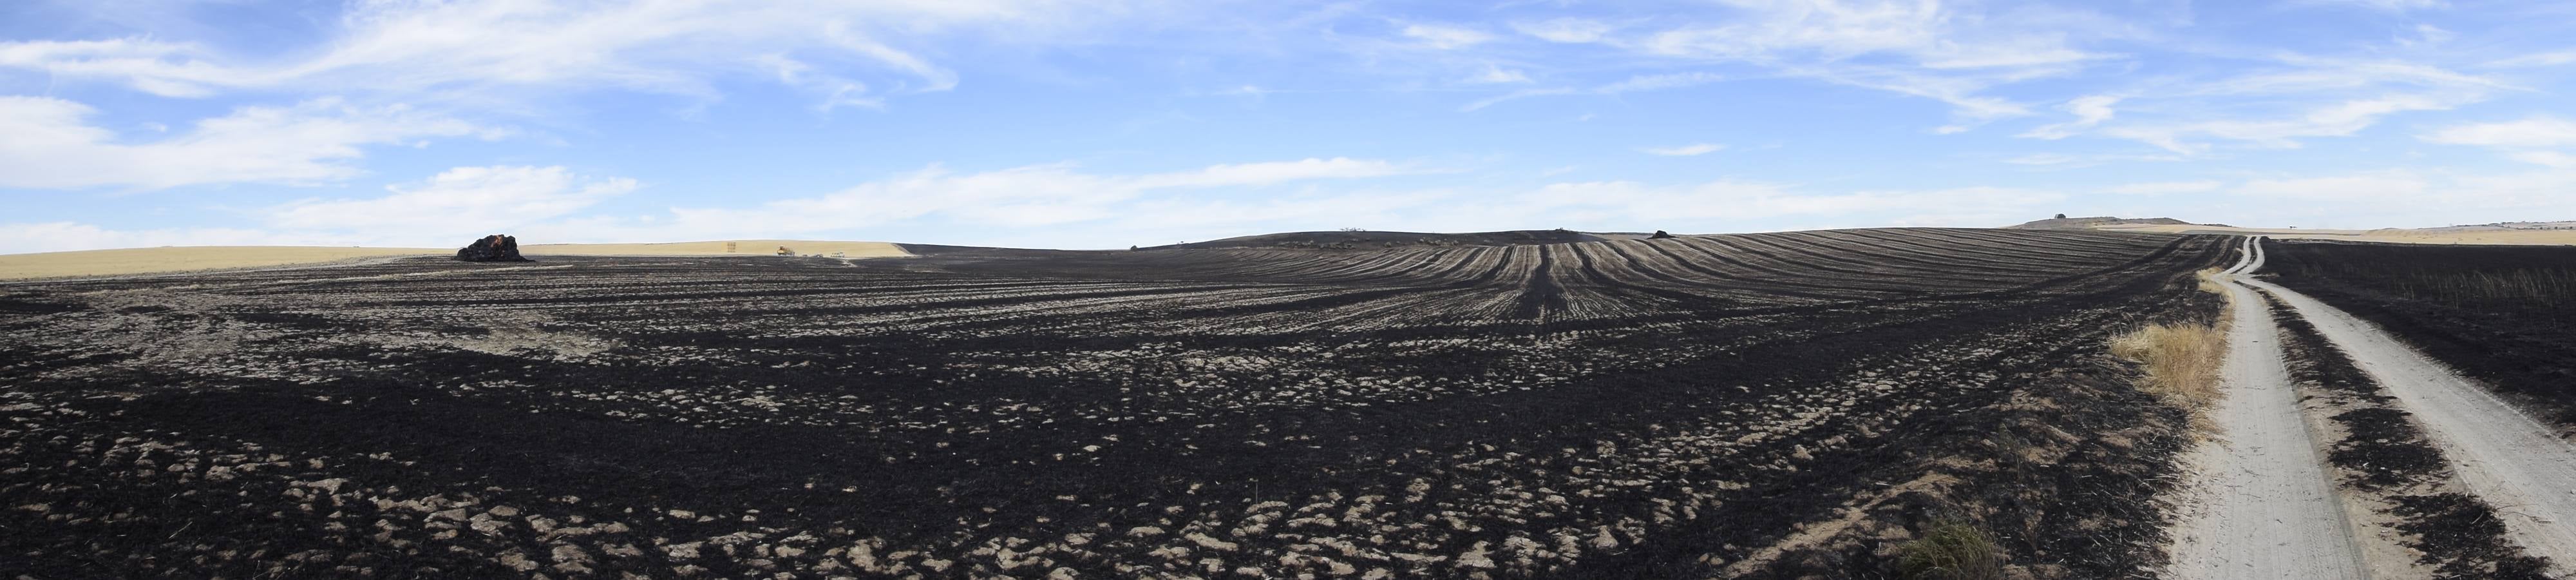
(1755, 405)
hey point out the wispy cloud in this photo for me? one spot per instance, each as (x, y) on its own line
(517, 45)
(2089, 110)
(2386, 5)
(1629, 85)
(1497, 74)
(1446, 37)
(458, 204)
(1951, 53)
(1036, 195)
(52, 145)
(455, 204)
(2529, 140)
(1568, 30)
(2167, 187)
(2534, 132)
(2332, 120)
(1683, 150)
(2544, 59)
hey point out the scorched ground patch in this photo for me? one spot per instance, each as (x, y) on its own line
(1752, 405)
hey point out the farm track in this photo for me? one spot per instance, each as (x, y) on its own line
(2263, 507)
(1617, 408)
(2514, 462)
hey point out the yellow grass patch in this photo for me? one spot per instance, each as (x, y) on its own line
(2181, 362)
(153, 260)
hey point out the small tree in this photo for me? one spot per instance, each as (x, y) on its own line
(2061, 216)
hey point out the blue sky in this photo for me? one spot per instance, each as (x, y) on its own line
(130, 123)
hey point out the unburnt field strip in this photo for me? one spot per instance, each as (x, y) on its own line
(1746, 405)
(2505, 315)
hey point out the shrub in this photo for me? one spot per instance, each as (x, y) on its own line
(1951, 550)
(2181, 363)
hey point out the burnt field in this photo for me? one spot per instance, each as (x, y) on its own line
(2503, 314)
(1747, 405)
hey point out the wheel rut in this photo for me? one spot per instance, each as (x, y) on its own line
(2261, 505)
(2505, 457)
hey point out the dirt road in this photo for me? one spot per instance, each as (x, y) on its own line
(2261, 506)
(2512, 461)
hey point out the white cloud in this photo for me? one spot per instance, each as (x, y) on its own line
(498, 48)
(1683, 150)
(2045, 159)
(458, 203)
(73, 236)
(1947, 52)
(51, 145)
(1635, 203)
(1565, 30)
(2387, 5)
(2380, 186)
(2427, 35)
(1060, 206)
(2292, 98)
(2394, 197)
(1446, 37)
(2089, 110)
(2534, 132)
(1270, 173)
(1031, 196)
(2067, 161)
(2544, 59)
(2527, 140)
(2549, 158)
(160, 68)
(1498, 76)
(2335, 120)
(1657, 82)
(1629, 85)
(836, 91)
(2167, 187)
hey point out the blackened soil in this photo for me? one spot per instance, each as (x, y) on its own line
(2503, 314)
(2465, 527)
(2384, 451)
(1215, 413)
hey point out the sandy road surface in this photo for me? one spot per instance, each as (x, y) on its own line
(2513, 462)
(2262, 506)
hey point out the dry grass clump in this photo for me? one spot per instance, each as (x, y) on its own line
(1951, 551)
(2209, 281)
(2181, 362)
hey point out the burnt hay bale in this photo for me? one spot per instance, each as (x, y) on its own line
(492, 248)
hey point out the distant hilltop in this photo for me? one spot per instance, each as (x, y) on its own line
(2503, 226)
(2061, 222)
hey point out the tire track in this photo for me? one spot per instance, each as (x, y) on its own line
(2262, 506)
(2507, 458)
